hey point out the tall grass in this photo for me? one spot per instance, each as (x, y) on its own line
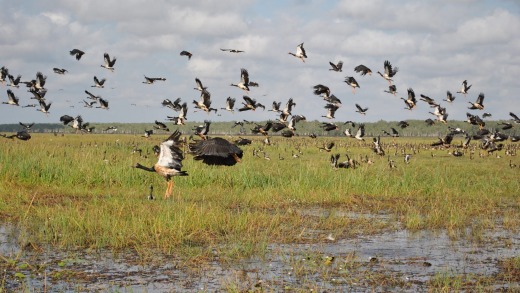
(81, 191)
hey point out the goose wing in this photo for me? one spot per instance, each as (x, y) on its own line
(171, 155)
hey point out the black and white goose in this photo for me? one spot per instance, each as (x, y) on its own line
(465, 88)
(331, 110)
(363, 70)
(14, 82)
(103, 104)
(244, 81)
(199, 87)
(186, 53)
(11, 99)
(89, 104)
(4, 74)
(515, 118)
(230, 105)
(392, 89)
(389, 72)
(300, 53)
(77, 53)
(351, 81)
(169, 163)
(160, 126)
(175, 105)
(216, 151)
(449, 97)
(91, 96)
(478, 104)
(44, 107)
(204, 103)
(98, 83)
(151, 80)
(361, 110)
(109, 63)
(27, 126)
(360, 133)
(21, 135)
(59, 70)
(276, 107)
(410, 102)
(183, 113)
(250, 104)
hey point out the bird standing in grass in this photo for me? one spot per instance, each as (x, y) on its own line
(169, 163)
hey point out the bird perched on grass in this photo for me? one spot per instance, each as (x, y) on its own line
(363, 70)
(300, 53)
(169, 163)
(336, 67)
(378, 148)
(77, 53)
(186, 53)
(109, 63)
(389, 71)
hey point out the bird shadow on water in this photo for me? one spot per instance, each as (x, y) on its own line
(396, 260)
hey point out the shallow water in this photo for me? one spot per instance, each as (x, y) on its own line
(405, 262)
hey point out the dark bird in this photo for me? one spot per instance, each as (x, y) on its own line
(202, 130)
(328, 147)
(21, 135)
(77, 122)
(429, 122)
(263, 129)
(4, 74)
(26, 126)
(300, 53)
(361, 110)
(429, 100)
(151, 80)
(441, 114)
(244, 81)
(389, 71)
(363, 70)
(336, 67)
(446, 141)
(77, 53)
(186, 53)
(410, 102)
(232, 50)
(199, 87)
(59, 70)
(169, 163)
(393, 134)
(148, 133)
(329, 126)
(486, 115)
(331, 110)
(506, 125)
(99, 83)
(175, 105)
(403, 124)
(103, 104)
(230, 104)
(351, 81)
(277, 126)
(465, 88)
(11, 99)
(515, 118)
(478, 104)
(276, 107)
(449, 97)
(161, 126)
(216, 151)
(321, 90)
(250, 104)
(109, 63)
(243, 141)
(392, 89)
(183, 113)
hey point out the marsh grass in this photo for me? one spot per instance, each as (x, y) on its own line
(80, 191)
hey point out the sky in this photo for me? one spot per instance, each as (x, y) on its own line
(435, 44)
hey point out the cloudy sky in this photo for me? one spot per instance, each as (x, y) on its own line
(435, 44)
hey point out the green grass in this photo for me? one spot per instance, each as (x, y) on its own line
(81, 191)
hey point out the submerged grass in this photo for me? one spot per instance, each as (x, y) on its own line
(80, 191)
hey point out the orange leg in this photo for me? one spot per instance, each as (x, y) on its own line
(168, 190)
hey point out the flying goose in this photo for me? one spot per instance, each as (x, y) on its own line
(230, 104)
(336, 67)
(109, 63)
(12, 99)
(175, 105)
(151, 80)
(4, 74)
(329, 126)
(232, 50)
(351, 81)
(77, 53)
(263, 129)
(244, 81)
(465, 88)
(410, 102)
(515, 118)
(169, 163)
(361, 110)
(44, 107)
(202, 130)
(360, 132)
(363, 70)
(26, 126)
(300, 53)
(161, 126)
(389, 71)
(449, 97)
(14, 82)
(478, 104)
(103, 104)
(21, 135)
(331, 110)
(98, 83)
(204, 102)
(91, 96)
(59, 70)
(250, 104)
(392, 89)
(327, 147)
(216, 151)
(199, 87)
(276, 107)
(186, 53)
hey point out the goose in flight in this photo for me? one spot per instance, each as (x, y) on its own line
(44, 107)
(276, 107)
(429, 100)
(351, 81)
(59, 70)
(515, 118)
(389, 71)
(204, 102)
(91, 96)
(478, 104)
(336, 67)
(186, 53)
(465, 88)
(179, 120)
(109, 63)
(230, 104)
(11, 99)
(244, 81)
(403, 124)
(361, 110)
(232, 50)
(14, 82)
(199, 87)
(392, 89)
(4, 74)
(331, 110)
(410, 102)
(327, 147)
(300, 53)
(329, 126)
(77, 53)
(250, 104)
(26, 126)
(161, 126)
(360, 132)
(175, 105)
(449, 97)
(363, 70)
(202, 130)
(216, 151)
(103, 104)
(263, 129)
(169, 163)
(441, 114)
(151, 80)
(99, 83)
(77, 122)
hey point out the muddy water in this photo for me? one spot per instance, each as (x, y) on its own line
(395, 261)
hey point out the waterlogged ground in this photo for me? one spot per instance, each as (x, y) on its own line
(397, 261)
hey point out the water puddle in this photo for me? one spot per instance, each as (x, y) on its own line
(393, 261)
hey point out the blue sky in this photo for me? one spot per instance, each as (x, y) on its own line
(435, 44)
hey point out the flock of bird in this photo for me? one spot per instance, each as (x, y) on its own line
(218, 151)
